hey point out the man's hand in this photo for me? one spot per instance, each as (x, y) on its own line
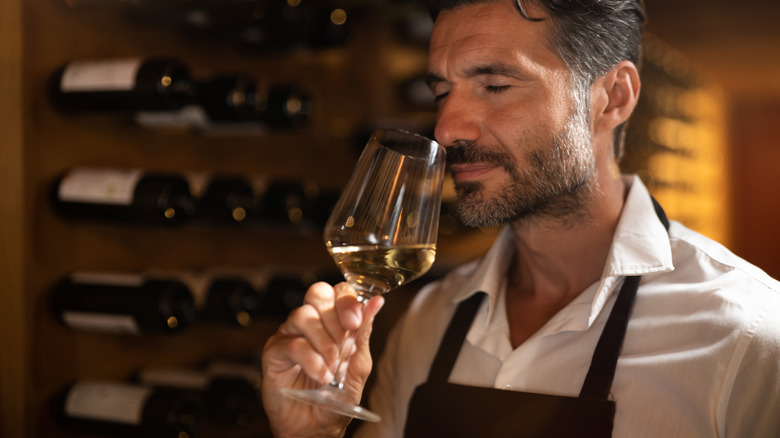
(304, 352)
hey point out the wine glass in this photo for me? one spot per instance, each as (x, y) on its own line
(381, 234)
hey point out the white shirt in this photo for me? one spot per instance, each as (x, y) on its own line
(701, 357)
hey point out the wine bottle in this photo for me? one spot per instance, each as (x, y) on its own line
(296, 24)
(229, 98)
(319, 205)
(123, 195)
(120, 87)
(286, 107)
(230, 300)
(123, 303)
(282, 203)
(284, 291)
(231, 398)
(227, 199)
(125, 409)
(235, 105)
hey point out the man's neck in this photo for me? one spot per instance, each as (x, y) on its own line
(556, 260)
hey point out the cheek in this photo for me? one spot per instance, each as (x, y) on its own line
(522, 115)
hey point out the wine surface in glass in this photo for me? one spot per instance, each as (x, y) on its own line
(375, 269)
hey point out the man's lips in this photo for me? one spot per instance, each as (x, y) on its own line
(464, 172)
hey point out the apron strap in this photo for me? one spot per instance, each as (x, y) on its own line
(661, 214)
(449, 347)
(598, 381)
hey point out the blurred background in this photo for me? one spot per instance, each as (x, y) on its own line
(245, 123)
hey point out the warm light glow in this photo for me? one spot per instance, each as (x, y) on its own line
(294, 105)
(243, 319)
(237, 98)
(690, 178)
(166, 81)
(173, 322)
(338, 17)
(239, 214)
(170, 213)
(295, 215)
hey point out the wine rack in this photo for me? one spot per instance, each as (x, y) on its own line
(361, 70)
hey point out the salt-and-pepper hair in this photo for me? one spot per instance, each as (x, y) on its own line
(590, 36)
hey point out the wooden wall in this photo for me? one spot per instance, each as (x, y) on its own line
(756, 157)
(15, 318)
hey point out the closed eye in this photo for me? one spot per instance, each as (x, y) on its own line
(496, 89)
(440, 97)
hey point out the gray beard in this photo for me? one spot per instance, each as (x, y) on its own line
(557, 184)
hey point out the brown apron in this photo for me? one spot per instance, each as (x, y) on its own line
(442, 409)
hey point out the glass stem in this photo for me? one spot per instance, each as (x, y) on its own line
(347, 348)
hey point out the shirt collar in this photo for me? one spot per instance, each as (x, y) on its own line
(640, 246)
(641, 243)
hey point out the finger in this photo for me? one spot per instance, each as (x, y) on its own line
(372, 308)
(313, 365)
(349, 309)
(286, 354)
(306, 322)
(322, 297)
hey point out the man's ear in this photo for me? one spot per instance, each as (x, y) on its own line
(614, 96)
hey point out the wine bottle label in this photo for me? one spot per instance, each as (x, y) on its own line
(188, 117)
(107, 401)
(110, 75)
(108, 278)
(99, 186)
(193, 117)
(116, 324)
(178, 378)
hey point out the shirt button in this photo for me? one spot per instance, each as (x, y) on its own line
(508, 387)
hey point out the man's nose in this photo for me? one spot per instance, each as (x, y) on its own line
(459, 120)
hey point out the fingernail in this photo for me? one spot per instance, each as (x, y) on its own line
(328, 377)
(354, 319)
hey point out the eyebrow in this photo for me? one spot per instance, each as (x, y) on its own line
(495, 68)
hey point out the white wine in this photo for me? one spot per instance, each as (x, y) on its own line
(375, 269)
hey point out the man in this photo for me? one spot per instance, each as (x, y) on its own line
(591, 315)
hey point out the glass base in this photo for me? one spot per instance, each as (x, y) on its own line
(331, 398)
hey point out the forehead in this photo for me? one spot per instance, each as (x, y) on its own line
(489, 30)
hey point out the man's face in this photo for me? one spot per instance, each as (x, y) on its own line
(518, 136)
